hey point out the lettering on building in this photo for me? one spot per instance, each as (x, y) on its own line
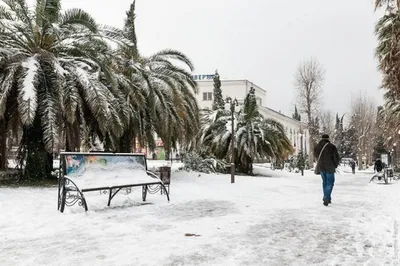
(203, 77)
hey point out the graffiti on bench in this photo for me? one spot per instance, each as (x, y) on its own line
(77, 164)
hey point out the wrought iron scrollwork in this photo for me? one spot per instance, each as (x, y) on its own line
(153, 189)
(70, 195)
(103, 192)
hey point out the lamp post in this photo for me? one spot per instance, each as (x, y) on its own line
(301, 153)
(394, 155)
(232, 103)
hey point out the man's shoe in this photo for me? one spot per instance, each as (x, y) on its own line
(329, 201)
(326, 202)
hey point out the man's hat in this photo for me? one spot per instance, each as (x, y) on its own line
(325, 136)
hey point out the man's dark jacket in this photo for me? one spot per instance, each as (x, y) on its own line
(329, 160)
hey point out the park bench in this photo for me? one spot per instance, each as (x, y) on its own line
(387, 175)
(108, 173)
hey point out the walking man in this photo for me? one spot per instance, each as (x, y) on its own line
(353, 166)
(326, 165)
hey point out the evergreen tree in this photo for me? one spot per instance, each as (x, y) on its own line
(348, 147)
(315, 130)
(379, 139)
(339, 133)
(379, 147)
(296, 114)
(218, 102)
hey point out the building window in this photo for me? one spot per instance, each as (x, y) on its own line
(259, 102)
(207, 96)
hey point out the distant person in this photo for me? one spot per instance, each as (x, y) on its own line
(328, 162)
(378, 165)
(353, 167)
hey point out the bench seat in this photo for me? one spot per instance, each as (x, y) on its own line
(112, 179)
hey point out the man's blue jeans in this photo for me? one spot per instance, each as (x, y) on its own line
(328, 181)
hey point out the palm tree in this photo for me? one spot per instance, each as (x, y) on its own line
(51, 66)
(387, 52)
(255, 137)
(170, 108)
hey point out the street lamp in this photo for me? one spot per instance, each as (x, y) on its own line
(233, 103)
(301, 154)
(394, 156)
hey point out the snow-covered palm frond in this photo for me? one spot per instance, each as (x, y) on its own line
(19, 10)
(95, 96)
(6, 83)
(27, 100)
(6, 14)
(115, 35)
(47, 12)
(50, 120)
(172, 54)
(70, 97)
(390, 5)
(76, 16)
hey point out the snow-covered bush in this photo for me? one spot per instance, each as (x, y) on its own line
(194, 162)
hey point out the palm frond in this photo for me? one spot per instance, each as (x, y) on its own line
(173, 54)
(47, 12)
(75, 16)
(129, 25)
(27, 101)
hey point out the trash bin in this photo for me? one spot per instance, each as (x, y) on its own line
(390, 172)
(165, 174)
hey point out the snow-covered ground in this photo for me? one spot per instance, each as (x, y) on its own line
(276, 218)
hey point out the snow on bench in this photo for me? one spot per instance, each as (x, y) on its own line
(105, 172)
(386, 175)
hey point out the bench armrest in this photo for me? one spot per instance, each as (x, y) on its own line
(153, 175)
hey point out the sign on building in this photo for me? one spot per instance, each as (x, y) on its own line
(203, 77)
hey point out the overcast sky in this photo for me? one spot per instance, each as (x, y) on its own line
(261, 40)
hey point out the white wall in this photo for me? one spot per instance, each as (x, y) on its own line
(233, 88)
(293, 128)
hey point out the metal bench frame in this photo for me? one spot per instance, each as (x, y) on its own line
(70, 194)
(388, 175)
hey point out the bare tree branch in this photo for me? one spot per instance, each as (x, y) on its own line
(309, 80)
(363, 117)
(327, 121)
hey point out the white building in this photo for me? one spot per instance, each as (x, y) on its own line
(295, 130)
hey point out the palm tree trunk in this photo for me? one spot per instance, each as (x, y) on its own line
(3, 145)
(126, 142)
(72, 137)
(39, 163)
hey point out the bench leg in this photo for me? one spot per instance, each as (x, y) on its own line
(372, 179)
(63, 199)
(165, 190)
(109, 197)
(84, 203)
(58, 196)
(162, 190)
(144, 192)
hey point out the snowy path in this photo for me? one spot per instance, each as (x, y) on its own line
(257, 221)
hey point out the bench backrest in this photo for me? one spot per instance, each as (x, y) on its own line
(73, 163)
